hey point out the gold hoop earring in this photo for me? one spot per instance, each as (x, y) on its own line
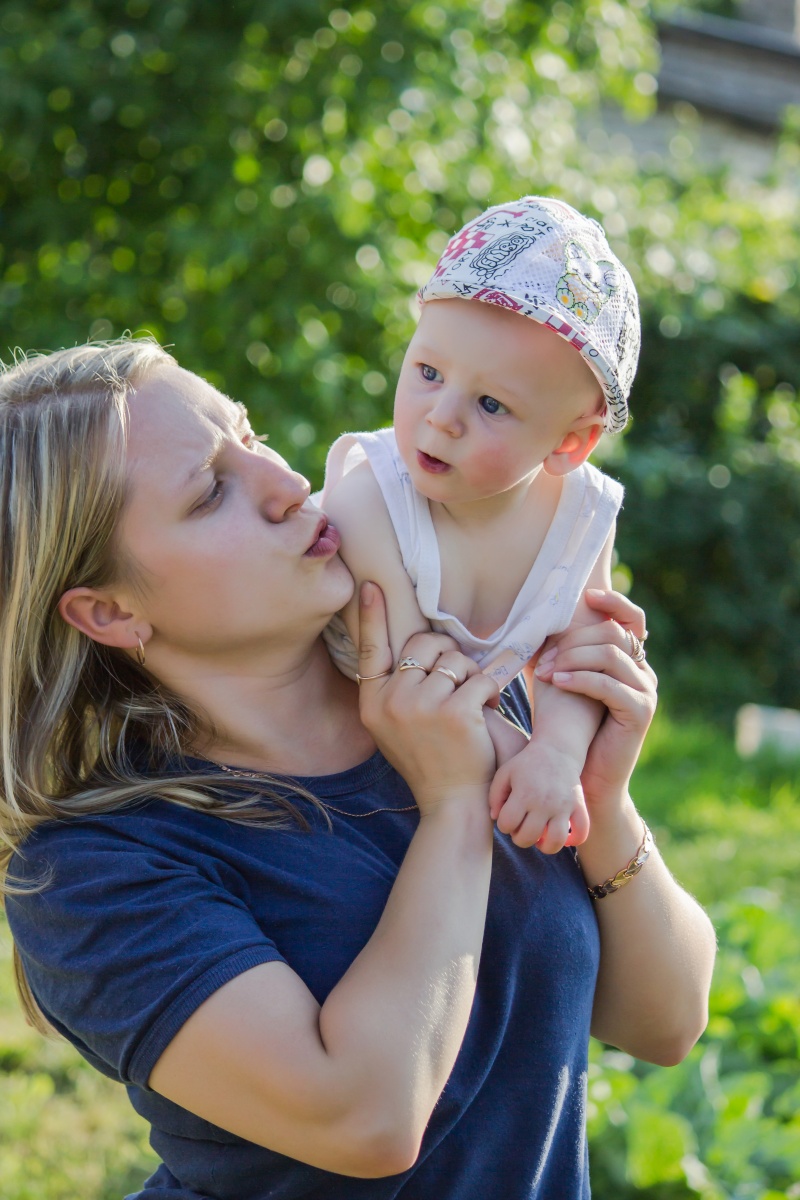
(140, 652)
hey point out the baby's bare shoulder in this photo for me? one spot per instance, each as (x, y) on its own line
(357, 486)
(356, 507)
(356, 502)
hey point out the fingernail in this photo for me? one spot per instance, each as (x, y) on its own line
(367, 594)
(562, 676)
(541, 669)
(549, 655)
(596, 592)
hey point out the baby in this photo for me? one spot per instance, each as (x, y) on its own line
(478, 514)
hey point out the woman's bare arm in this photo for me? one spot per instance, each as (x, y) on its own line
(657, 944)
(350, 1086)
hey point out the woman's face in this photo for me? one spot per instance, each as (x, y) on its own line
(233, 558)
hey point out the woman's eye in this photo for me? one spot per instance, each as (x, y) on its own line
(492, 406)
(430, 374)
(212, 499)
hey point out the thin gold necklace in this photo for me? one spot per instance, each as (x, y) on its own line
(330, 807)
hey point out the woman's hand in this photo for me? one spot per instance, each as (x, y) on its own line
(428, 720)
(596, 661)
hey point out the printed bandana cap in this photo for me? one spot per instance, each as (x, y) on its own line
(543, 259)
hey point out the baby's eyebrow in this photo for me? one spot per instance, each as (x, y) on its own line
(423, 351)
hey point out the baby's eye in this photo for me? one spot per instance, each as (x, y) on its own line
(430, 373)
(492, 406)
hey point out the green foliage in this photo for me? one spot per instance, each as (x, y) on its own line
(724, 1124)
(712, 463)
(67, 1131)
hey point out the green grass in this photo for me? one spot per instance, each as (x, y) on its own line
(67, 1131)
(724, 1125)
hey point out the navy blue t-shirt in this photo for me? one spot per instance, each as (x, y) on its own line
(149, 911)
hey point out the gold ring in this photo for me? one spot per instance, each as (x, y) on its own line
(450, 674)
(408, 664)
(360, 678)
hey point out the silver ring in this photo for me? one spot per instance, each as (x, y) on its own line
(361, 678)
(637, 649)
(450, 674)
(408, 664)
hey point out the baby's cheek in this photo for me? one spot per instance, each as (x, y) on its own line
(495, 469)
(405, 423)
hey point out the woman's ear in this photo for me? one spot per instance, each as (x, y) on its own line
(575, 447)
(98, 615)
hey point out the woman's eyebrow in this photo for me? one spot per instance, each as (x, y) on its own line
(198, 468)
(239, 422)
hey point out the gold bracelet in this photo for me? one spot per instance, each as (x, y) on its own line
(627, 873)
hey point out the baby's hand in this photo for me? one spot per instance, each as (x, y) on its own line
(537, 798)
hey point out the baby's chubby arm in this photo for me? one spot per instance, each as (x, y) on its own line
(371, 552)
(537, 796)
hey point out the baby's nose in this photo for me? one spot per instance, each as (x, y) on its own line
(446, 416)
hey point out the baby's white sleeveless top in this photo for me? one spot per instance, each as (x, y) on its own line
(583, 520)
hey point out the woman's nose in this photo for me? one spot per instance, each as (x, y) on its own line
(284, 491)
(445, 415)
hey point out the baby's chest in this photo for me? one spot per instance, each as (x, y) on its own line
(481, 578)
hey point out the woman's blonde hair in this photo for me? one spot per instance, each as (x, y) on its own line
(76, 716)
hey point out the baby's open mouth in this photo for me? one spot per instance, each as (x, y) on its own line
(434, 466)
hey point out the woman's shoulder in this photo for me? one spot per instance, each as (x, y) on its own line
(153, 827)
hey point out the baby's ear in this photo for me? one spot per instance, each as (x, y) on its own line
(575, 447)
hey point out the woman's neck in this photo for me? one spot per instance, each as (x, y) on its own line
(296, 716)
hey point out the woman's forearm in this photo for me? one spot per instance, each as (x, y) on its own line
(350, 1087)
(395, 1022)
(658, 949)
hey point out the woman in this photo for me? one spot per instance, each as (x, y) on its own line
(224, 896)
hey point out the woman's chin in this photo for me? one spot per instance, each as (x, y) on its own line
(340, 577)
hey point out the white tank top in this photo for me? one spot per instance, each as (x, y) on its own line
(583, 520)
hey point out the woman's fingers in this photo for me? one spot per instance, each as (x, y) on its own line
(428, 648)
(618, 608)
(627, 703)
(624, 628)
(374, 651)
(607, 657)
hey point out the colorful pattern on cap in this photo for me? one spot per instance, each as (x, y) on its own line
(545, 260)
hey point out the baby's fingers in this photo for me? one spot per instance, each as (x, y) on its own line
(553, 839)
(578, 826)
(499, 792)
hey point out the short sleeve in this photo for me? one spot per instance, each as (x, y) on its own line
(123, 940)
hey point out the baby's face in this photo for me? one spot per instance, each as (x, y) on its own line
(485, 395)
